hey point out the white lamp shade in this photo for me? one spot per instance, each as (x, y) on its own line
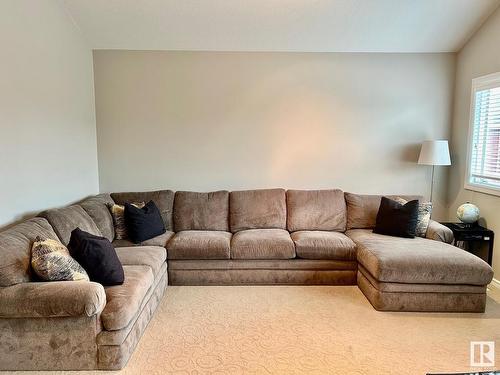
(434, 153)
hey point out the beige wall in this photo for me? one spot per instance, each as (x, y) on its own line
(47, 122)
(204, 120)
(480, 56)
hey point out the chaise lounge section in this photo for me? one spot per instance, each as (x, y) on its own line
(418, 274)
(253, 237)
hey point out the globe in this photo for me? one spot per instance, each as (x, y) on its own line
(468, 213)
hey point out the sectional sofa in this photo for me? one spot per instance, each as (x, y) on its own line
(273, 236)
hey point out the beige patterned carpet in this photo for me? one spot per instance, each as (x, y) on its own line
(302, 330)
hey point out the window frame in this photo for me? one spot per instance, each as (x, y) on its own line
(479, 83)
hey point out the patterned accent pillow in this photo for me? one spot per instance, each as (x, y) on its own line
(424, 216)
(118, 213)
(51, 261)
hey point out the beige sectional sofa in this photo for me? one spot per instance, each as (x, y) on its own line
(268, 236)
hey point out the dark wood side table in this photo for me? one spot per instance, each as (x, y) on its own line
(472, 234)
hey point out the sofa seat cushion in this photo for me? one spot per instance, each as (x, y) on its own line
(160, 240)
(417, 260)
(323, 245)
(199, 244)
(151, 256)
(124, 301)
(147, 309)
(262, 244)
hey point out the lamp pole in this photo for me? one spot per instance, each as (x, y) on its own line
(432, 181)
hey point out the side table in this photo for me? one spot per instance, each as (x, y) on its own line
(472, 233)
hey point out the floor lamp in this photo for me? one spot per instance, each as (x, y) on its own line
(434, 153)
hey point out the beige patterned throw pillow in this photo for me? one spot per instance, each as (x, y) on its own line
(118, 213)
(51, 261)
(424, 216)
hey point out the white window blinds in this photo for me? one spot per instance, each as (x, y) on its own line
(484, 151)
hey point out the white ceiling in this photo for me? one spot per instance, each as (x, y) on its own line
(280, 25)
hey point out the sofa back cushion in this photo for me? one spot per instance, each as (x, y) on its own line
(98, 209)
(164, 200)
(64, 220)
(201, 211)
(15, 249)
(316, 210)
(362, 209)
(257, 209)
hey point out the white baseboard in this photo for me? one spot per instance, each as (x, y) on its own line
(495, 284)
(494, 290)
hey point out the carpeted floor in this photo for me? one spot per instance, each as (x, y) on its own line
(302, 330)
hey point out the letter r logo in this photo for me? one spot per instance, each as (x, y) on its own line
(482, 353)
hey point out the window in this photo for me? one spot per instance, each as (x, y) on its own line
(483, 167)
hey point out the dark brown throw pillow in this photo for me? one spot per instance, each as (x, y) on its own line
(396, 219)
(143, 223)
(97, 256)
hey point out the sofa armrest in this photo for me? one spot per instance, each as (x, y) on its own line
(52, 299)
(439, 232)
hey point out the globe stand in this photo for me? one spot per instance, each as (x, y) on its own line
(467, 225)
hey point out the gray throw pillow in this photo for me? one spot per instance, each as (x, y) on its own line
(424, 216)
(51, 261)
